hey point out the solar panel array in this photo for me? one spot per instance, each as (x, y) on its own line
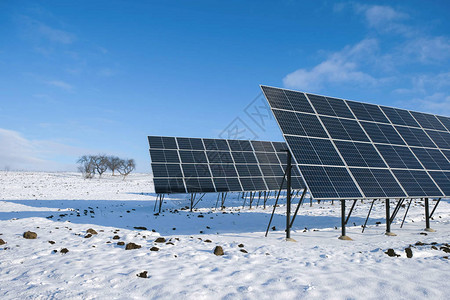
(190, 165)
(350, 150)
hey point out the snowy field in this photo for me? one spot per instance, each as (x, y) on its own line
(61, 207)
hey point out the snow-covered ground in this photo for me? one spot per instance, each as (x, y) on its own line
(61, 207)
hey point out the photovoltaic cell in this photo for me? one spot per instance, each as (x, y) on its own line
(415, 137)
(360, 154)
(344, 129)
(428, 121)
(440, 138)
(442, 179)
(400, 116)
(169, 185)
(314, 151)
(445, 121)
(330, 182)
(298, 101)
(236, 145)
(277, 98)
(417, 183)
(399, 157)
(377, 183)
(199, 185)
(382, 133)
(432, 159)
(367, 112)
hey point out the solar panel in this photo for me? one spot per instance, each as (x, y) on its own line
(348, 150)
(191, 165)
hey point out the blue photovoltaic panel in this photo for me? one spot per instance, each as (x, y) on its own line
(428, 121)
(417, 183)
(387, 152)
(190, 165)
(343, 129)
(442, 179)
(298, 101)
(367, 112)
(432, 159)
(400, 116)
(377, 183)
(169, 185)
(415, 137)
(446, 153)
(445, 121)
(330, 182)
(277, 98)
(310, 151)
(360, 154)
(399, 157)
(382, 133)
(440, 138)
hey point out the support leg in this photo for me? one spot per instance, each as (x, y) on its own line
(343, 236)
(160, 202)
(406, 213)
(388, 220)
(427, 217)
(365, 223)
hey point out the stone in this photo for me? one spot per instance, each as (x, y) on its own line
(409, 253)
(88, 236)
(241, 245)
(218, 251)
(142, 274)
(64, 250)
(391, 253)
(30, 235)
(91, 231)
(243, 250)
(154, 249)
(160, 240)
(2, 242)
(131, 246)
(140, 227)
(445, 249)
(116, 237)
(207, 241)
(120, 243)
(51, 242)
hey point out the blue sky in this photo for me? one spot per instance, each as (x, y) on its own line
(81, 77)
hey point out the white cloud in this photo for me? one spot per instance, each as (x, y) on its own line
(437, 103)
(384, 18)
(428, 49)
(341, 67)
(19, 153)
(36, 28)
(60, 84)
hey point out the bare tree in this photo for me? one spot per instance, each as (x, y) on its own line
(113, 163)
(126, 167)
(87, 166)
(101, 163)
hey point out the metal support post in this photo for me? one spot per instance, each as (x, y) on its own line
(407, 209)
(427, 217)
(343, 236)
(388, 219)
(365, 223)
(288, 197)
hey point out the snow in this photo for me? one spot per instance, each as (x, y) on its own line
(317, 266)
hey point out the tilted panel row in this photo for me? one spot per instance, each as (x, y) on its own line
(189, 165)
(377, 151)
